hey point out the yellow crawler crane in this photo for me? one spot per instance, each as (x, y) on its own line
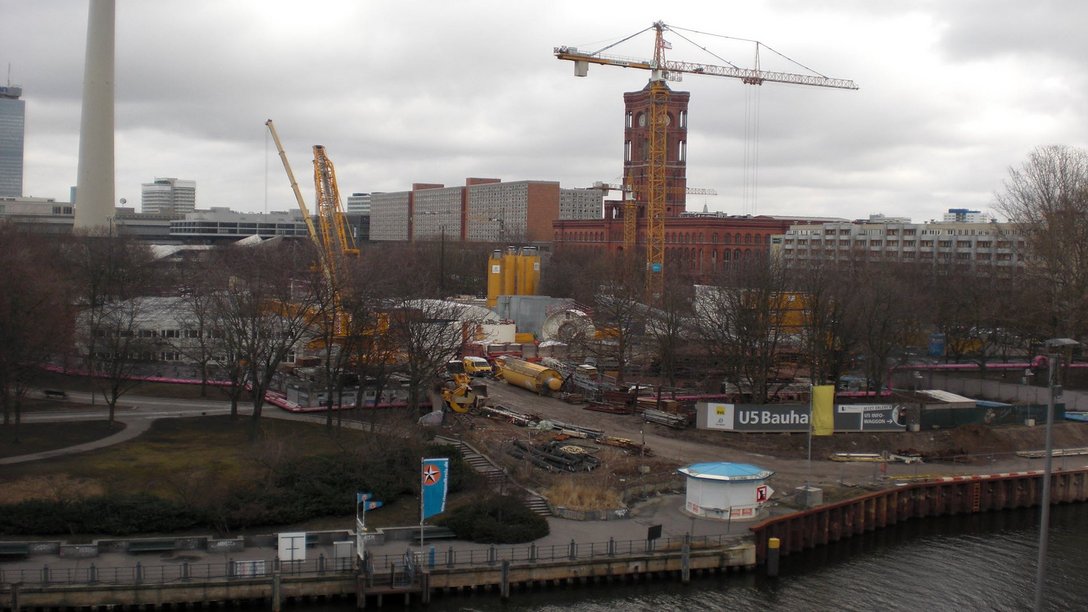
(330, 235)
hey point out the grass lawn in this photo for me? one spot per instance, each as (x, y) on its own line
(38, 437)
(181, 458)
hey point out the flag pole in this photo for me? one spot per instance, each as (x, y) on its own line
(811, 414)
(421, 485)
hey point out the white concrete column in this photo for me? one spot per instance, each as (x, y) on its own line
(94, 204)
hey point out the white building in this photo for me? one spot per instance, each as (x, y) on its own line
(962, 215)
(358, 204)
(976, 246)
(221, 223)
(168, 196)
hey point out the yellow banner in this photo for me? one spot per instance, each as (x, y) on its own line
(823, 410)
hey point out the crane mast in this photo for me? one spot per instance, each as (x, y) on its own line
(661, 70)
(330, 235)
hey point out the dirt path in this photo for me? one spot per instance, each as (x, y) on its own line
(991, 449)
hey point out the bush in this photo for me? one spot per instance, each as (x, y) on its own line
(496, 520)
(116, 516)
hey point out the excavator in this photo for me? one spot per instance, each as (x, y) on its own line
(459, 393)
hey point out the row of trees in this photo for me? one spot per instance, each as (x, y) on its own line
(106, 305)
(87, 302)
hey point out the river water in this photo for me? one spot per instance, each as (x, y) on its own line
(966, 563)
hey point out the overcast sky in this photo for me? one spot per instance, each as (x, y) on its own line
(951, 94)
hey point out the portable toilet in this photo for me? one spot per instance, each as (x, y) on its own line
(726, 491)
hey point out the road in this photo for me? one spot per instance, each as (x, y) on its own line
(137, 412)
(789, 473)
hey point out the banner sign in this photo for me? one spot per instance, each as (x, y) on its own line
(434, 487)
(795, 417)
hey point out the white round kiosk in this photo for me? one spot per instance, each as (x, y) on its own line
(726, 491)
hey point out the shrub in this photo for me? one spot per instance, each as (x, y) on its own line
(501, 519)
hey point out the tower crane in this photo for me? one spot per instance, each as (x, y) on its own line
(330, 235)
(661, 70)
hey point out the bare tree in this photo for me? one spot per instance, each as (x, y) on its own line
(125, 340)
(427, 333)
(671, 325)
(30, 288)
(197, 320)
(268, 310)
(619, 313)
(741, 325)
(886, 315)
(1047, 198)
(828, 338)
(106, 273)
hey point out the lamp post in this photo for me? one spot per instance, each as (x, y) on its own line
(502, 226)
(1052, 345)
(441, 247)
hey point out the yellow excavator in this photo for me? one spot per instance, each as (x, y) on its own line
(459, 393)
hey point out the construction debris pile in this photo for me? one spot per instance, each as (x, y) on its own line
(557, 455)
(564, 434)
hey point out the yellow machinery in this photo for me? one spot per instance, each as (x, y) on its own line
(660, 71)
(528, 375)
(331, 235)
(457, 391)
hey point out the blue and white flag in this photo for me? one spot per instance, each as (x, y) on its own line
(434, 487)
(361, 497)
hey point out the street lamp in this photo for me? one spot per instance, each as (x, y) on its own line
(1053, 346)
(442, 247)
(502, 226)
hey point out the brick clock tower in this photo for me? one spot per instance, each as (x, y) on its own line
(636, 149)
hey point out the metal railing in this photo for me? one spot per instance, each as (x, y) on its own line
(388, 569)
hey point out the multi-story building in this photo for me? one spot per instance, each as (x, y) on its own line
(963, 215)
(12, 132)
(168, 196)
(980, 247)
(358, 204)
(222, 224)
(483, 210)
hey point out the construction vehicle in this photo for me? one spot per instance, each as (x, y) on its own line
(477, 366)
(458, 391)
(660, 71)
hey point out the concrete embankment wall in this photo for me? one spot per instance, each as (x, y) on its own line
(946, 496)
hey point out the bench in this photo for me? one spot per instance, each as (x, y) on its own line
(14, 550)
(144, 546)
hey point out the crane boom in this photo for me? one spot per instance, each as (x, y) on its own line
(294, 186)
(331, 220)
(749, 76)
(662, 70)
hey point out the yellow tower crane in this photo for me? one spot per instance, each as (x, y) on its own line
(660, 71)
(330, 235)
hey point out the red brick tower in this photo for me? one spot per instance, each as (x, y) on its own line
(636, 149)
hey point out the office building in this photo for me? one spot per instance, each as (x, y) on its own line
(358, 204)
(979, 247)
(483, 210)
(168, 196)
(12, 132)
